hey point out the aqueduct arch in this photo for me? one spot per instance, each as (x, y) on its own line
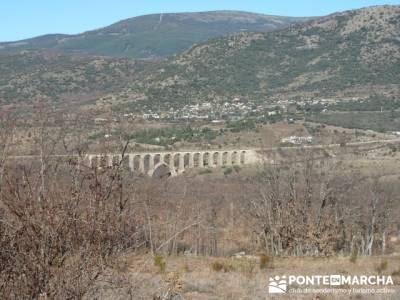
(161, 170)
(174, 163)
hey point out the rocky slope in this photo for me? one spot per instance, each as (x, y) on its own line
(350, 53)
(50, 76)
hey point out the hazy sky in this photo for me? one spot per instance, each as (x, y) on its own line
(27, 18)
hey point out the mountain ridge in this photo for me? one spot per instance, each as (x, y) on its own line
(349, 54)
(342, 54)
(143, 37)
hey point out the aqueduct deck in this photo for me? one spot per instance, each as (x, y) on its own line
(174, 161)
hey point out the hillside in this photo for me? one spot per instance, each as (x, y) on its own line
(349, 54)
(156, 35)
(353, 53)
(50, 76)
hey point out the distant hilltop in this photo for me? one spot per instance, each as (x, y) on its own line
(156, 35)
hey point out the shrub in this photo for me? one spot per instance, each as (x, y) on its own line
(228, 171)
(205, 171)
(265, 261)
(246, 266)
(396, 273)
(392, 147)
(286, 144)
(242, 125)
(63, 243)
(382, 266)
(219, 266)
(160, 263)
(236, 168)
(170, 135)
(354, 255)
(186, 268)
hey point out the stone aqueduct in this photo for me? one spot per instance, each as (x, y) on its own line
(174, 162)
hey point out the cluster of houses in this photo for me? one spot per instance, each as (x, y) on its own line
(297, 140)
(235, 110)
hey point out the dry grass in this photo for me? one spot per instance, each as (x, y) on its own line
(242, 278)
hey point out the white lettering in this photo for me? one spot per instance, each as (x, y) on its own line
(372, 280)
(292, 279)
(363, 280)
(346, 280)
(336, 280)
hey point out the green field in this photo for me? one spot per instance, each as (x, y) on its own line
(377, 121)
